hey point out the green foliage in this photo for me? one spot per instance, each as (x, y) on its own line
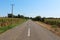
(43, 19)
(18, 16)
(9, 23)
(10, 15)
(37, 18)
(52, 21)
(54, 26)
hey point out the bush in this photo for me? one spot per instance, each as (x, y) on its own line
(54, 26)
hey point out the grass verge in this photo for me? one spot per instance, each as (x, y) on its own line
(52, 28)
(5, 28)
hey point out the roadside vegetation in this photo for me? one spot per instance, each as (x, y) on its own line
(53, 24)
(10, 22)
(53, 21)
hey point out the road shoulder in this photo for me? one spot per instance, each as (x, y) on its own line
(48, 27)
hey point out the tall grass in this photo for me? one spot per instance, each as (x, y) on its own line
(53, 21)
(8, 23)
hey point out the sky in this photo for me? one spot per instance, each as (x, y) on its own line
(31, 8)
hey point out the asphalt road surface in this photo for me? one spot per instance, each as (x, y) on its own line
(28, 31)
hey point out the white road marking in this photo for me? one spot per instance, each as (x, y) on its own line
(28, 32)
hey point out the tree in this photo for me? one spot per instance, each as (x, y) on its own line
(43, 19)
(38, 18)
(21, 16)
(18, 15)
(10, 15)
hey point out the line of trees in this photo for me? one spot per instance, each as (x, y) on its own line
(18, 16)
(38, 18)
(55, 22)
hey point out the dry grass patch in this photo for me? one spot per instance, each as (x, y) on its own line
(8, 23)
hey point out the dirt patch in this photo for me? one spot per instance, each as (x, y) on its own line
(49, 27)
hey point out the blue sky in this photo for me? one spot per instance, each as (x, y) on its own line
(31, 8)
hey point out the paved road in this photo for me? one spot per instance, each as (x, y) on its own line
(28, 31)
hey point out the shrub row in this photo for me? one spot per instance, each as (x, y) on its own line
(51, 22)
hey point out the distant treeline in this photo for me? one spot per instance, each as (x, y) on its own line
(18, 16)
(51, 21)
(38, 18)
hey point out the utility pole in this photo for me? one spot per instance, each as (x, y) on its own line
(12, 13)
(12, 10)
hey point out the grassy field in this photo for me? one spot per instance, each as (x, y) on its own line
(8, 23)
(55, 22)
(54, 25)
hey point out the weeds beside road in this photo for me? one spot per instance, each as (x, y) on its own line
(54, 29)
(8, 23)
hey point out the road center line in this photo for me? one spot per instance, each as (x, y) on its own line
(28, 32)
